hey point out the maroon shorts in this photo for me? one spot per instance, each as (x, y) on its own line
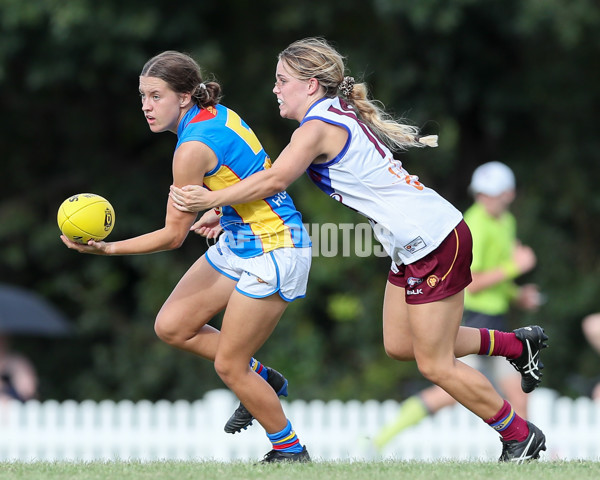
(441, 274)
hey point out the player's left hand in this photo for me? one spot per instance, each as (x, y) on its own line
(92, 247)
(191, 198)
(208, 225)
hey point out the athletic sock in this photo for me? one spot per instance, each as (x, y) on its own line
(508, 424)
(412, 411)
(259, 368)
(286, 440)
(495, 343)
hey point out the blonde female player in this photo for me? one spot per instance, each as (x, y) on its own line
(344, 141)
(260, 263)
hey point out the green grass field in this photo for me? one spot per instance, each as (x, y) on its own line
(312, 471)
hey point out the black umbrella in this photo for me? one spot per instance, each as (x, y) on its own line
(23, 312)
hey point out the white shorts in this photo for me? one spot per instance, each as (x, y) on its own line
(283, 270)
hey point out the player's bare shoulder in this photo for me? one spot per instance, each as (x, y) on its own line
(192, 160)
(325, 140)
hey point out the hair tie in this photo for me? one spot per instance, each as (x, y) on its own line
(427, 140)
(202, 86)
(346, 86)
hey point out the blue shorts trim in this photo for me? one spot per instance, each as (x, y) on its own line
(219, 270)
(283, 297)
(290, 299)
(255, 296)
(276, 270)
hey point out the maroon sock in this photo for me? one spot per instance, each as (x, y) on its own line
(508, 424)
(499, 344)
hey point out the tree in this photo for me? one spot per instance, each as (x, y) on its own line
(497, 80)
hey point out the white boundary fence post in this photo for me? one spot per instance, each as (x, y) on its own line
(333, 430)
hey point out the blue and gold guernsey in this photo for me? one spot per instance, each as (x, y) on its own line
(251, 228)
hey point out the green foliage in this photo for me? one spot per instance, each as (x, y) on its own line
(497, 80)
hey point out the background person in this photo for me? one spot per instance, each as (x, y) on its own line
(498, 259)
(260, 263)
(18, 377)
(343, 142)
(591, 330)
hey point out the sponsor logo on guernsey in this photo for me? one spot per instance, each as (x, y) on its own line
(279, 198)
(415, 245)
(433, 280)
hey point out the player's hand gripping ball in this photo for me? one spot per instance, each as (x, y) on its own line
(86, 216)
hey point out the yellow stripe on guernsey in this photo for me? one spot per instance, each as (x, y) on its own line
(259, 215)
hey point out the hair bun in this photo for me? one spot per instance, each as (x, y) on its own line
(346, 86)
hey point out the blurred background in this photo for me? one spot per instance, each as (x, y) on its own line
(510, 80)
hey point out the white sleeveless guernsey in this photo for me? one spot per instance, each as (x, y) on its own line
(408, 219)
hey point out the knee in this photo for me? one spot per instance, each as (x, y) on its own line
(222, 369)
(226, 371)
(434, 371)
(392, 353)
(165, 327)
(397, 352)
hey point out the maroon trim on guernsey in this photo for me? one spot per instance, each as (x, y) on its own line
(348, 112)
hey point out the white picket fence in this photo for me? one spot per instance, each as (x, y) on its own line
(333, 430)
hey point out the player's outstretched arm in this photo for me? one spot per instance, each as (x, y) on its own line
(306, 145)
(190, 162)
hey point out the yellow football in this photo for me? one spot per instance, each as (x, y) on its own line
(86, 216)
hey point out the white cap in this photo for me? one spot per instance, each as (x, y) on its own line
(492, 178)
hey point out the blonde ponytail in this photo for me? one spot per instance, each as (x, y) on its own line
(394, 133)
(316, 58)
